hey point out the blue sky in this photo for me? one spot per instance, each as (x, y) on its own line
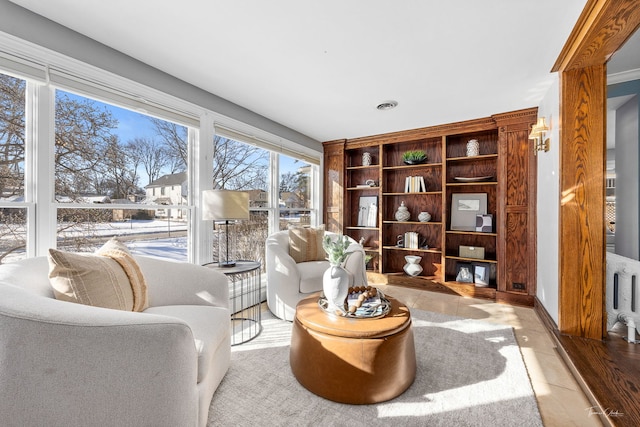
(132, 124)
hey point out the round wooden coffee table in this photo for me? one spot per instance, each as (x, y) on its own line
(348, 360)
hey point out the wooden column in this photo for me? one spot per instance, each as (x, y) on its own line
(582, 162)
(602, 29)
(517, 208)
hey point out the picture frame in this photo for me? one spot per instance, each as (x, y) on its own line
(464, 272)
(368, 211)
(481, 274)
(464, 209)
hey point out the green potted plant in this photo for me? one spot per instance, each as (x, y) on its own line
(336, 249)
(335, 281)
(414, 157)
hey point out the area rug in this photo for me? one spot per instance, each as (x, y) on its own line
(469, 373)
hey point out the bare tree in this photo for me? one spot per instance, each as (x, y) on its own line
(239, 166)
(235, 165)
(297, 184)
(174, 138)
(122, 176)
(12, 102)
(151, 155)
(83, 134)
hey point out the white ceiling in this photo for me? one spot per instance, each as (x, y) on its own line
(321, 67)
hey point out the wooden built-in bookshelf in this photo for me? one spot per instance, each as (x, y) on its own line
(504, 170)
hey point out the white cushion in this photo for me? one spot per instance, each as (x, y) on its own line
(202, 319)
(311, 275)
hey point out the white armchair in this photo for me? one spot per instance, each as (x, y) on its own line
(68, 364)
(288, 282)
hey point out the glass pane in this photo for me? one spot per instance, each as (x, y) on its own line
(246, 238)
(12, 104)
(160, 233)
(295, 192)
(107, 154)
(110, 155)
(13, 234)
(242, 167)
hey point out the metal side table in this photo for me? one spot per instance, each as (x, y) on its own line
(244, 299)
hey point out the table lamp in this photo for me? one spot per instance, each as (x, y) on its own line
(225, 205)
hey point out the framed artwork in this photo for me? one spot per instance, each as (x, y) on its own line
(464, 272)
(465, 207)
(368, 211)
(481, 274)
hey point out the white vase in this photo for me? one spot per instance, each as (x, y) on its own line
(424, 217)
(366, 159)
(412, 267)
(335, 285)
(402, 214)
(473, 148)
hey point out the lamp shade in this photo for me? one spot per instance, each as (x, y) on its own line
(225, 205)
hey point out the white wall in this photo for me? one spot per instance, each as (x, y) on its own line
(627, 186)
(548, 268)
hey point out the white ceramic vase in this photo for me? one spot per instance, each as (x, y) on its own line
(424, 217)
(473, 148)
(412, 267)
(366, 159)
(402, 214)
(335, 285)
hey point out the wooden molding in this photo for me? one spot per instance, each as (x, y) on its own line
(602, 28)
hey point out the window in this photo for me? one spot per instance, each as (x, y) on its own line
(261, 172)
(115, 159)
(295, 192)
(243, 167)
(113, 171)
(13, 210)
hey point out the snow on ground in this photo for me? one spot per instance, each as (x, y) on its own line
(169, 249)
(172, 248)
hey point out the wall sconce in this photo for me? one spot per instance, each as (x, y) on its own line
(538, 132)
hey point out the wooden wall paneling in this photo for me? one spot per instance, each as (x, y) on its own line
(517, 210)
(444, 208)
(333, 185)
(582, 238)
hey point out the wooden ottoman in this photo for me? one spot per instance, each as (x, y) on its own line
(349, 360)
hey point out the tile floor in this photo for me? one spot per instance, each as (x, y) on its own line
(560, 398)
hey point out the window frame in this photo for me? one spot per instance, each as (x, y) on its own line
(88, 81)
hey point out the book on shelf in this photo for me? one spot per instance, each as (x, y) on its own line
(414, 184)
(368, 211)
(411, 240)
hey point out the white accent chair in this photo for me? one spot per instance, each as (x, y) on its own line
(288, 282)
(68, 364)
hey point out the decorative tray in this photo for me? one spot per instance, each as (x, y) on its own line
(472, 178)
(371, 308)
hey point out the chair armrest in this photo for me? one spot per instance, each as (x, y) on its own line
(182, 283)
(281, 267)
(71, 364)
